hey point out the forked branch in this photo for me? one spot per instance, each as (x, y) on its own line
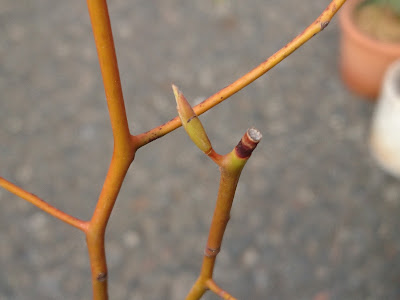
(125, 146)
(230, 166)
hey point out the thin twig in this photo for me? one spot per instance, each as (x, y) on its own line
(318, 25)
(231, 166)
(219, 291)
(43, 205)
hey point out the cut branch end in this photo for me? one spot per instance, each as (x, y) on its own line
(248, 143)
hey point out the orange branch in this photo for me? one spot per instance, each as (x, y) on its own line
(318, 25)
(217, 290)
(231, 166)
(35, 200)
(124, 145)
(102, 32)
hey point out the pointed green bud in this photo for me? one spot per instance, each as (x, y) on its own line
(191, 122)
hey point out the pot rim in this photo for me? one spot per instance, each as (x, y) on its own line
(347, 25)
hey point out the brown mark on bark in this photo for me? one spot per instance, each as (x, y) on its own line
(324, 24)
(101, 277)
(210, 252)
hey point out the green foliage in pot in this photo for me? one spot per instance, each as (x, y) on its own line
(393, 5)
(380, 19)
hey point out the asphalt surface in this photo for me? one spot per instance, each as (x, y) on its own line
(314, 216)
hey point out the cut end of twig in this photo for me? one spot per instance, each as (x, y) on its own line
(248, 143)
(254, 134)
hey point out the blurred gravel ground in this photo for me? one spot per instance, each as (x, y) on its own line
(314, 217)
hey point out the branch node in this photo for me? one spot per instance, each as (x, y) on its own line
(101, 277)
(324, 24)
(211, 252)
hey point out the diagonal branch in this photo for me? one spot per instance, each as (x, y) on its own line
(317, 26)
(35, 200)
(218, 291)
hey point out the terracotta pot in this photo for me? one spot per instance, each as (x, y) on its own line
(385, 129)
(363, 60)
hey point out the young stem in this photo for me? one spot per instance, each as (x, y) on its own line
(35, 200)
(318, 25)
(217, 290)
(231, 166)
(124, 146)
(226, 192)
(103, 37)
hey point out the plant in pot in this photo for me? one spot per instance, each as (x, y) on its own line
(370, 42)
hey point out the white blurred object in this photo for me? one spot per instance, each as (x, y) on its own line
(385, 131)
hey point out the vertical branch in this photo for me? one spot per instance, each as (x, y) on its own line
(226, 193)
(124, 146)
(103, 37)
(97, 225)
(231, 166)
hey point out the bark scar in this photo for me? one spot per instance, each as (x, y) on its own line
(324, 24)
(101, 277)
(210, 252)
